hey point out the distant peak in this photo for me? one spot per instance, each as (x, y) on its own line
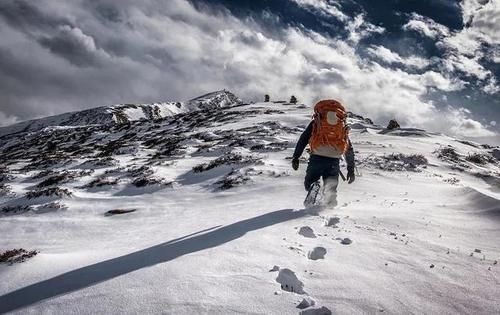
(125, 113)
(217, 99)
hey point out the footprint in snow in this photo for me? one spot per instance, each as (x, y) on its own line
(317, 253)
(344, 241)
(289, 281)
(307, 231)
(332, 221)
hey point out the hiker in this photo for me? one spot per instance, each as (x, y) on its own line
(328, 138)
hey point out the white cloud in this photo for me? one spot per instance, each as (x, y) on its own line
(484, 19)
(437, 80)
(496, 56)
(6, 120)
(426, 26)
(465, 48)
(390, 56)
(320, 67)
(358, 28)
(470, 66)
(462, 125)
(328, 8)
(492, 86)
(464, 42)
(469, 9)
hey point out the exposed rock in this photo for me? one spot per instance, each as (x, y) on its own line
(101, 182)
(49, 192)
(397, 162)
(448, 153)
(228, 159)
(5, 190)
(496, 154)
(16, 256)
(119, 211)
(149, 180)
(49, 207)
(306, 302)
(393, 124)
(479, 158)
(233, 179)
(15, 209)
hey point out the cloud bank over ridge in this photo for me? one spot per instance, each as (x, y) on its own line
(58, 57)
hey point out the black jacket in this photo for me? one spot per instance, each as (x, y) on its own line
(304, 140)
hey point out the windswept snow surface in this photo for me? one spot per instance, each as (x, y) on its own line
(217, 205)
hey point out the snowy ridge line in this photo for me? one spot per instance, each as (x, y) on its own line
(125, 113)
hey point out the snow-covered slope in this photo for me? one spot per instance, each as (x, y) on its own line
(216, 223)
(125, 113)
(213, 100)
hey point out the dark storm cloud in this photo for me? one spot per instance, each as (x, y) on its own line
(26, 82)
(108, 12)
(22, 15)
(100, 55)
(73, 45)
(54, 33)
(63, 56)
(34, 82)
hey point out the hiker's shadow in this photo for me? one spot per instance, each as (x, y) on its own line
(87, 276)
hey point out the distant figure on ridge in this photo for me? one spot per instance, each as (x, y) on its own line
(328, 138)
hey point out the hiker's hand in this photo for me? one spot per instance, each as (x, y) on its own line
(350, 175)
(295, 164)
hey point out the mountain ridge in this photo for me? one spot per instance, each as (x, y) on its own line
(124, 113)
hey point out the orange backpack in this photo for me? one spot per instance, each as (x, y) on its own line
(329, 126)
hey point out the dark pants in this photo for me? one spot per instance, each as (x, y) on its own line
(323, 167)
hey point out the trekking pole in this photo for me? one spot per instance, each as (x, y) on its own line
(342, 175)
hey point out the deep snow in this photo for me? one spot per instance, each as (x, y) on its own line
(204, 238)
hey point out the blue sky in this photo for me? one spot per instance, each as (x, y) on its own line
(430, 64)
